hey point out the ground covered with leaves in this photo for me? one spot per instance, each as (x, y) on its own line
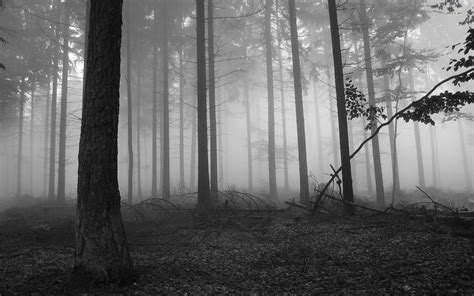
(246, 252)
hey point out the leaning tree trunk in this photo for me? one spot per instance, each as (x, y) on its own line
(165, 175)
(212, 98)
(63, 115)
(129, 106)
(303, 165)
(205, 201)
(270, 97)
(341, 110)
(19, 162)
(101, 248)
(379, 188)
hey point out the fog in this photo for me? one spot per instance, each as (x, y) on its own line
(31, 33)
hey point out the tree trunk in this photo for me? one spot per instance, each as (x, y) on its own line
(246, 93)
(434, 157)
(419, 152)
(165, 175)
(205, 201)
(303, 164)
(270, 96)
(212, 98)
(192, 175)
(370, 186)
(341, 110)
(379, 188)
(391, 129)
(52, 139)
(283, 116)
(19, 163)
(102, 251)
(63, 115)
(129, 106)
(319, 135)
(465, 160)
(46, 138)
(335, 149)
(182, 184)
(154, 177)
(139, 163)
(32, 139)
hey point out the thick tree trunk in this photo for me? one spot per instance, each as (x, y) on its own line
(341, 110)
(19, 162)
(212, 98)
(379, 188)
(63, 116)
(154, 161)
(270, 97)
(165, 174)
(129, 106)
(101, 247)
(303, 164)
(205, 201)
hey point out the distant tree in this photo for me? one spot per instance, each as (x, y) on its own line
(154, 129)
(102, 252)
(165, 140)
(212, 99)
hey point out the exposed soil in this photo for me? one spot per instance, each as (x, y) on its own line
(268, 253)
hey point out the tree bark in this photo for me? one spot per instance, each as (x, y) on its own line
(379, 188)
(419, 152)
(129, 106)
(303, 164)
(154, 162)
(212, 98)
(165, 175)
(101, 248)
(205, 201)
(46, 137)
(182, 183)
(341, 110)
(32, 139)
(19, 163)
(246, 93)
(139, 163)
(270, 97)
(63, 116)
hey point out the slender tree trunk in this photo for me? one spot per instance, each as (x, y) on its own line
(303, 164)
(270, 96)
(370, 186)
(219, 137)
(351, 148)
(101, 248)
(192, 175)
(205, 201)
(32, 140)
(19, 163)
(283, 117)
(434, 158)
(182, 184)
(419, 152)
(319, 135)
(46, 138)
(63, 116)
(52, 139)
(391, 130)
(332, 108)
(212, 99)
(139, 163)
(465, 160)
(379, 188)
(129, 105)
(246, 94)
(154, 177)
(341, 110)
(166, 117)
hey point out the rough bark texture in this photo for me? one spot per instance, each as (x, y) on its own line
(212, 98)
(271, 103)
(165, 175)
(129, 107)
(101, 249)
(204, 192)
(379, 188)
(295, 54)
(63, 115)
(341, 110)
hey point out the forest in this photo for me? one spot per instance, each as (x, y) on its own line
(236, 147)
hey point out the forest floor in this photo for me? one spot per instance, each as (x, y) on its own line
(265, 252)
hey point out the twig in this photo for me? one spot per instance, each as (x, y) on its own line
(437, 203)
